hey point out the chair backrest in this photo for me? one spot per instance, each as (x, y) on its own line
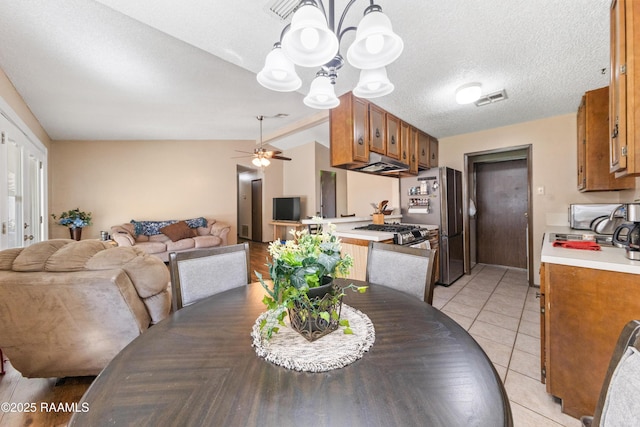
(618, 404)
(205, 272)
(403, 268)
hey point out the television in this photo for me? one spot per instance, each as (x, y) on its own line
(286, 208)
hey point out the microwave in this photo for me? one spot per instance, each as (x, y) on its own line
(580, 216)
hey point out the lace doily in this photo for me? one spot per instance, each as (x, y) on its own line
(289, 349)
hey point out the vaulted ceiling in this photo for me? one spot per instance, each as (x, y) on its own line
(166, 69)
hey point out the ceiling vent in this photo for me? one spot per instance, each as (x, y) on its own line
(283, 8)
(492, 98)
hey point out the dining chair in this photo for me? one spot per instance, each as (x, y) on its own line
(404, 268)
(620, 392)
(202, 273)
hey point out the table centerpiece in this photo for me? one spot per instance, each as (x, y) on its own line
(302, 287)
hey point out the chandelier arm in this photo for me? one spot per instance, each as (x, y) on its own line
(345, 31)
(283, 32)
(344, 14)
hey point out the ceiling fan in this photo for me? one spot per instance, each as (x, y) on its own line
(261, 156)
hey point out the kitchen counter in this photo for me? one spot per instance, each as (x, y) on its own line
(374, 236)
(350, 219)
(609, 258)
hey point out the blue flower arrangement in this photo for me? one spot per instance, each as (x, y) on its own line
(75, 218)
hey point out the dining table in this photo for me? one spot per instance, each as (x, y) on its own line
(198, 368)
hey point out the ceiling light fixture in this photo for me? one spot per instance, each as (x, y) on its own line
(313, 40)
(466, 94)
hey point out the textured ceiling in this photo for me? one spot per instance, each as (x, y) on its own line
(162, 69)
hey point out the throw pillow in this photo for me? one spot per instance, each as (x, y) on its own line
(178, 231)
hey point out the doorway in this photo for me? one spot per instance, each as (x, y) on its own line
(328, 194)
(498, 199)
(256, 210)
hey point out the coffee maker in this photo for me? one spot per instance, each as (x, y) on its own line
(631, 239)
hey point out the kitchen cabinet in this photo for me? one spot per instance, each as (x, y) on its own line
(349, 132)
(593, 145)
(393, 136)
(423, 150)
(377, 130)
(583, 310)
(624, 97)
(358, 127)
(433, 152)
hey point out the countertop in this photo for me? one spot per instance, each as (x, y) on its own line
(348, 219)
(609, 258)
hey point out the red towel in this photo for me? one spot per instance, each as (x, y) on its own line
(577, 244)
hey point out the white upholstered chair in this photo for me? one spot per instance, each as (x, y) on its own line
(618, 404)
(198, 274)
(406, 269)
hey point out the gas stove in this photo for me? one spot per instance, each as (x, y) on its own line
(404, 234)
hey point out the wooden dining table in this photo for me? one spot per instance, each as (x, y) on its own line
(198, 368)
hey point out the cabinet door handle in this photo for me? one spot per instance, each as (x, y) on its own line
(360, 141)
(413, 157)
(404, 155)
(377, 133)
(393, 140)
(614, 134)
(423, 153)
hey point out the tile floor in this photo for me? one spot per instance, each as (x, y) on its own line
(499, 309)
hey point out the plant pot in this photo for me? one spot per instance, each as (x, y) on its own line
(76, 233)
(322, 290)
(305, 314)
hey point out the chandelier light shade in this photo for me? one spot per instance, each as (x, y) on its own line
(279, 73)
(322, 94)
(376, 45)
(373, 84)
(468, 93)
(313, 40)
(309, 42)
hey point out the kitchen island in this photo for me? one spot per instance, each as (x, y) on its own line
(586, 298)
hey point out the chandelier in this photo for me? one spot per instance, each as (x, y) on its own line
(313, 40)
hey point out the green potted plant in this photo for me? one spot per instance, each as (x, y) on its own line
(302, 272)
(75, 219)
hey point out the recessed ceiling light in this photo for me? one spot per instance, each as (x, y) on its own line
(466, 94)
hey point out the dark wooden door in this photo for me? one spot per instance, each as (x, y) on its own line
(328, 189)
(256, 210)
(502, 205)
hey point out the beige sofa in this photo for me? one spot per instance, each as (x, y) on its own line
(146, 235)
(67, 308)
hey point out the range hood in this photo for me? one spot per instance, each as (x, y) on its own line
(382, 164)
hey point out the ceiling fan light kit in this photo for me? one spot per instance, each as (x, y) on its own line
(313, 40)
(261, 157)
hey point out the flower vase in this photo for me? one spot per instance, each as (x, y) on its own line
(304, 314)
(76, 233)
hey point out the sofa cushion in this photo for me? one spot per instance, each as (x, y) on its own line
(34, 257)
(207, 241)
(152, 247)
(180, 245)
(178, 231)
(74, 257)
(7, 257)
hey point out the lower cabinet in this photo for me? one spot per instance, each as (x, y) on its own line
(583, 312)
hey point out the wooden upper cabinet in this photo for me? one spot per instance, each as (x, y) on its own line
(423, 150)
(349, 132)
(413, 150)
(593, 145)
(377, 130)
(393, 136)
(624, 135)
(433, 152)
(405, 138)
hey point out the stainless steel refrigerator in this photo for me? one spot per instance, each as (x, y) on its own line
(435, 197)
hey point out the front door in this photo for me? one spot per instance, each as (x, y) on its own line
(502, 206)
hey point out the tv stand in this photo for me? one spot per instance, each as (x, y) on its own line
(286, 225)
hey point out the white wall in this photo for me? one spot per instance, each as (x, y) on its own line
(364, 189)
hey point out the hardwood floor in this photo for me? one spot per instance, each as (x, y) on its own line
(49, 396)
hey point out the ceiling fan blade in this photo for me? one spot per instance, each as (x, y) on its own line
(280, 158)
(246, 152)
(243, 157)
